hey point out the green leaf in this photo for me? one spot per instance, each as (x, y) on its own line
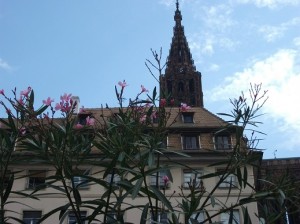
(9, 187)
(154, 93)
(77, 196)
(61, 209)
(212, 200)
(31, 99)
(245, 176)
(162, 198)
(239, 175)
(41, 110)
(137, 188)
(144, 214)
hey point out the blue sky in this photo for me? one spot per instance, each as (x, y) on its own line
(86, 47)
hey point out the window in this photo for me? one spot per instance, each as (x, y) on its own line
(180, 87)
(161, 218)
(36, 178)
(72, 217)
(188, 117)
(82, 117)
(79, 180)
(190, 142)
(111, 217)
(169, 86)
(31, 217)
(116, 178)
(224, 218)
(192, 178)
(222, 142)
(161, 181)
(191, 85)
(199, 216)
(6, 179)
(229, 182)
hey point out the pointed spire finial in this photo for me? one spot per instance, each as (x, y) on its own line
(177, 5)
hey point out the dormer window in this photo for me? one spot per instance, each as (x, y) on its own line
(82, 118)
(188, 117)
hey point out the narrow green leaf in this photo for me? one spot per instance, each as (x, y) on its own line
(8, 188)
(213, 201)
(41, 110)
(77, 196)
(137, 188)
(245, 176)
(144, 214)
(154, 94)
(162, 198)
(239, 175)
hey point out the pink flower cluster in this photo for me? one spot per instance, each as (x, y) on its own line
(26, 92)
(165, 180)
(89, 122)
(2, 92)
(65, 104)
(163, 102)
(144, 90)
(184, 107)
(48, 101)
(122, 84)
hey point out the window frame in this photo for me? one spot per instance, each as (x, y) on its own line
(111, 217)
(161, 183)
(187, 140)
(229, 182)
(226, 215)
(200, 219)
(31, 219)
(160, 219)
(33, 176)
(79, 181)
(194, 175)
(187, 117)
(220, 144)
(116, 179)
(71, 215)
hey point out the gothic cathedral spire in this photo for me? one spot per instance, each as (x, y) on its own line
(181, 81)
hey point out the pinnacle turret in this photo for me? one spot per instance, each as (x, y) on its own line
(181, 80)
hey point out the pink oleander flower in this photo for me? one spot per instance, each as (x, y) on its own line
(65, 97)
(78, 126)
(144, 89)
(143, 118)
(58, 106)
(20, 101)
(122, 84)
(172, 101)
(163, 102)
(184, 107)
(26, 92)
(153, 115)
(48, 101)
(90, 121)
(22, 131)
(166, 180)
(2, 92)
(46, 116)
(66, 107)
(81, 110)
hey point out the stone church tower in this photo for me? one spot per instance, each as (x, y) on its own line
(181, 81)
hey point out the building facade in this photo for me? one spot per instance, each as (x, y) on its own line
(205, 140)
